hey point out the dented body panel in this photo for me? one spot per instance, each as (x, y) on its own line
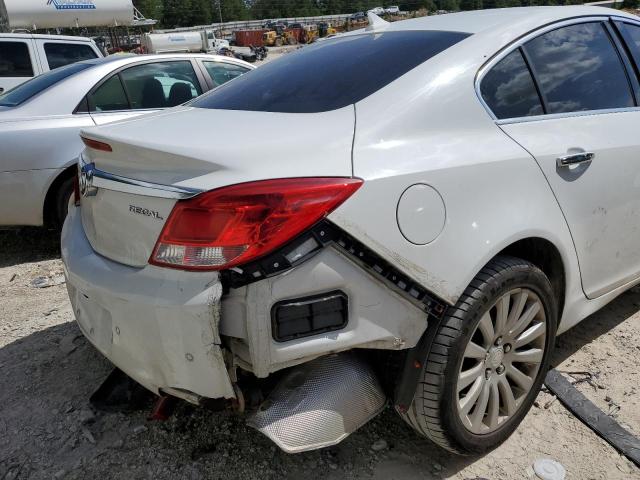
(378, 317)
(163, 333)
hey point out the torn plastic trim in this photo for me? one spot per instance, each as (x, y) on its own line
(325, 234)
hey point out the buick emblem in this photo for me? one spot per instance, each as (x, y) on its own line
(86, 180)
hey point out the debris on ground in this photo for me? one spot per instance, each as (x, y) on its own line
(548, 469)
(46, 282)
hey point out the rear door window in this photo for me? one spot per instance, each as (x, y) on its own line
(61, 54)
(161, 85)
(330, 74)
(15, 60)
(508, 88)
(221, 72)
(578, 68)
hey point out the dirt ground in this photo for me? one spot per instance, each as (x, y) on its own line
(48, 430)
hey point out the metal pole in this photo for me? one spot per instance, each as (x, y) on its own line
(220, 12)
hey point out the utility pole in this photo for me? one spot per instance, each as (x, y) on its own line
(220, 12)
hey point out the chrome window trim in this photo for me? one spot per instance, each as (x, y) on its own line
(92, 179)
(530, 36)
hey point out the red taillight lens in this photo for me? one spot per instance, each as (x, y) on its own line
(234, 225)
(96, 145)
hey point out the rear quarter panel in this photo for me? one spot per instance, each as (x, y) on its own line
(34, 153)
(428, 127)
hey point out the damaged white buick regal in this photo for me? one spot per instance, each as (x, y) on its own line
(407, 214)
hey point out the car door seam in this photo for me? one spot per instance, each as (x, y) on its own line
(566, 221)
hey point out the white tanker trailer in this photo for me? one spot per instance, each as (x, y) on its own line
(37, 14)
(182, 42)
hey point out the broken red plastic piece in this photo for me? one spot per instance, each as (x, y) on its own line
(163, 408)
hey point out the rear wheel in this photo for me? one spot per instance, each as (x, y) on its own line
(488, 359)
(63, 195)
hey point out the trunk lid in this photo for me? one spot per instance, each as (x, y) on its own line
(196, 149)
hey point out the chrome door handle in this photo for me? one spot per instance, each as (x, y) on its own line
(574, 159)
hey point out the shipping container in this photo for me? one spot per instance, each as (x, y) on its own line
(244, 38)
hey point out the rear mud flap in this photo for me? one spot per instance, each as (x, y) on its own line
(320, 403)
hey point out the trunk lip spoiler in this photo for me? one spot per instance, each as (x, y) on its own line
(91, 179)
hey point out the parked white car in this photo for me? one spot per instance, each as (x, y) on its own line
(377, 11)
(392, 10)
(485, 200)
(40, 120)
(24, 55)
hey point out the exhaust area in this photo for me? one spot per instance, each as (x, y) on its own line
(320, 403)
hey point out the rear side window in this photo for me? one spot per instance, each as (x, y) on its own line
(221, 72)
(36, 85)
(61, 54)
(631, 34)
(161, 85)
(578, 68)
(330, 74)
(109, 97)
(15, 60)
(508, 88)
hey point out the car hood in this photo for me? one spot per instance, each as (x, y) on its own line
(206, 149)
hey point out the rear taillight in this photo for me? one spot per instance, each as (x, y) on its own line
(96, 145)
(237, 224)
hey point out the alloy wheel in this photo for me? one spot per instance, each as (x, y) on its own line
(501, 361)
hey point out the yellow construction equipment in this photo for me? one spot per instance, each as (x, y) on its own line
(278, 37)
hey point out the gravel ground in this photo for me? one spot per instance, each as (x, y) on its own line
(48, 430)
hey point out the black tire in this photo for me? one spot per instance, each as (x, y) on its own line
(434, 412)
(62, 197)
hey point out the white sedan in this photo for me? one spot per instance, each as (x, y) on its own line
(40, 120)
(449, 210)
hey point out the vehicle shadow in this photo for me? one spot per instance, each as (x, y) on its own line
(28, 244)
(47, 425)
(596, 325)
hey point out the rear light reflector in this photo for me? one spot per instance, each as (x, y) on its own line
(96, 145)
(233, 225)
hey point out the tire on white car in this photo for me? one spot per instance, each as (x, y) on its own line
(488, 359)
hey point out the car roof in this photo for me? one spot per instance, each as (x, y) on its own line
(125, 59)
(503, 19)
(66, 38)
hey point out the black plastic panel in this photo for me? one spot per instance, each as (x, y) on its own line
(303, 317)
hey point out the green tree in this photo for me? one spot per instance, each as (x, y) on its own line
(177, 13)
(149, 8)
(232, 10)
(470, 4)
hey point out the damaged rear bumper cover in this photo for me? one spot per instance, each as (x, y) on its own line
(158, 325)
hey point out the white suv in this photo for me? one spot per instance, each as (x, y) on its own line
(24, 55)
(454, 209)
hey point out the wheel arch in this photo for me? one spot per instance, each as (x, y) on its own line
(49, 206)
(546, 256)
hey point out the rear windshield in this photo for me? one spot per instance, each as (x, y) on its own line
(330, 74)
(36, 85)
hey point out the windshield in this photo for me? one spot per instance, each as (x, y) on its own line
(330, 74)
(20, 94)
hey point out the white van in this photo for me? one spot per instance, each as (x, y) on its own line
(25, 55)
